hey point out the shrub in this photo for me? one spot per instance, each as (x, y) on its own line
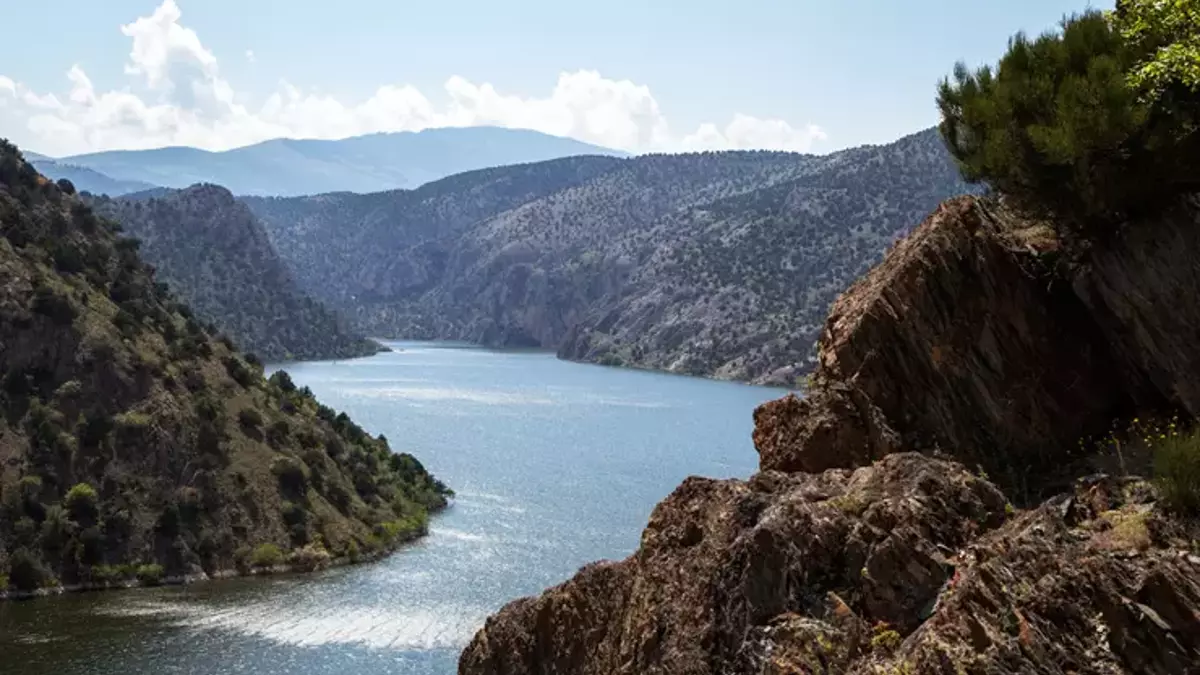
(1177, 470)
(278, 432)
(105, 574)
(292, 475)
(309, 558)
(239, 371)
(282, 381)
(90, 549)
(56, 528)
(25, 571)
(266, 555)
(53, 305)
(250, 418)
(296, 518)
(352, 551)
(242, 558)
(81, 502)
(150, 574)
(1060, 126)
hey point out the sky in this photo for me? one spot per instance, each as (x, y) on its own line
(637, 75)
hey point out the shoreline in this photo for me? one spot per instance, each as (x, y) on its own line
(9, 595)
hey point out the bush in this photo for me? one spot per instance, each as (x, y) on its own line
(1177, 470)
(150, 574)
(308, 558)
(282, 381)
(53, 305)
(1061, 128)
(250, 418)
(352, 551)
(278, 432)
(25, 571)
(81, 502)
(266, 555)
(239, 371)
(292, 475)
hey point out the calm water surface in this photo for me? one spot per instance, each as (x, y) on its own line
(555, 464)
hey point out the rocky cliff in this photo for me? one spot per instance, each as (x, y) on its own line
(959, 377)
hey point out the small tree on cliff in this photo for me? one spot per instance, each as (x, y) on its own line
(1092, 125)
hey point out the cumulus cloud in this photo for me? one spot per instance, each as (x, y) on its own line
(180, 97)
(746, 132)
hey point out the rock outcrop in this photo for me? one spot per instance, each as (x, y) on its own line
(976, 338)
(979, 346)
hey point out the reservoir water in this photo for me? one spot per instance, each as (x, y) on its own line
(556, 464)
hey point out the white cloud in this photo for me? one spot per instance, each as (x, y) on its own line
(180, 98)
(746, 132)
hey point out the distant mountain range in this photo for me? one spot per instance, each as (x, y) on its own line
(286, 167)
(214, 253)
(720, 264)
(83, 178)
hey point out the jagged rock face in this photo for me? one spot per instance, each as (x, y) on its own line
(721, 559)
(968, 341)
(912, 565)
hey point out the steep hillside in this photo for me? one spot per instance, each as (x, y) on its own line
(87, 180)
(714, 263)
(214, 254)
(372, 163)
(135, 443)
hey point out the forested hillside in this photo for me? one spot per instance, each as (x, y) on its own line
(214, 254)
(135, 443)
(711, 263)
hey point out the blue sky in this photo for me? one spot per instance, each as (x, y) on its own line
(792, 74)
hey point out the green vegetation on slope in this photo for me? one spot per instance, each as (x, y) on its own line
(707, 263)
(134, 443)
(214, 254)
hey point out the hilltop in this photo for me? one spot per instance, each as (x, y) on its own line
(215, 255)
(135, 443)
(711, 263)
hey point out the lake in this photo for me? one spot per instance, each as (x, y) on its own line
(556, 464)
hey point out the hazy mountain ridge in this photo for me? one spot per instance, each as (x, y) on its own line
(134, 443)
(707, 263)
(87, 180)
(371, 163)
(216, 255)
